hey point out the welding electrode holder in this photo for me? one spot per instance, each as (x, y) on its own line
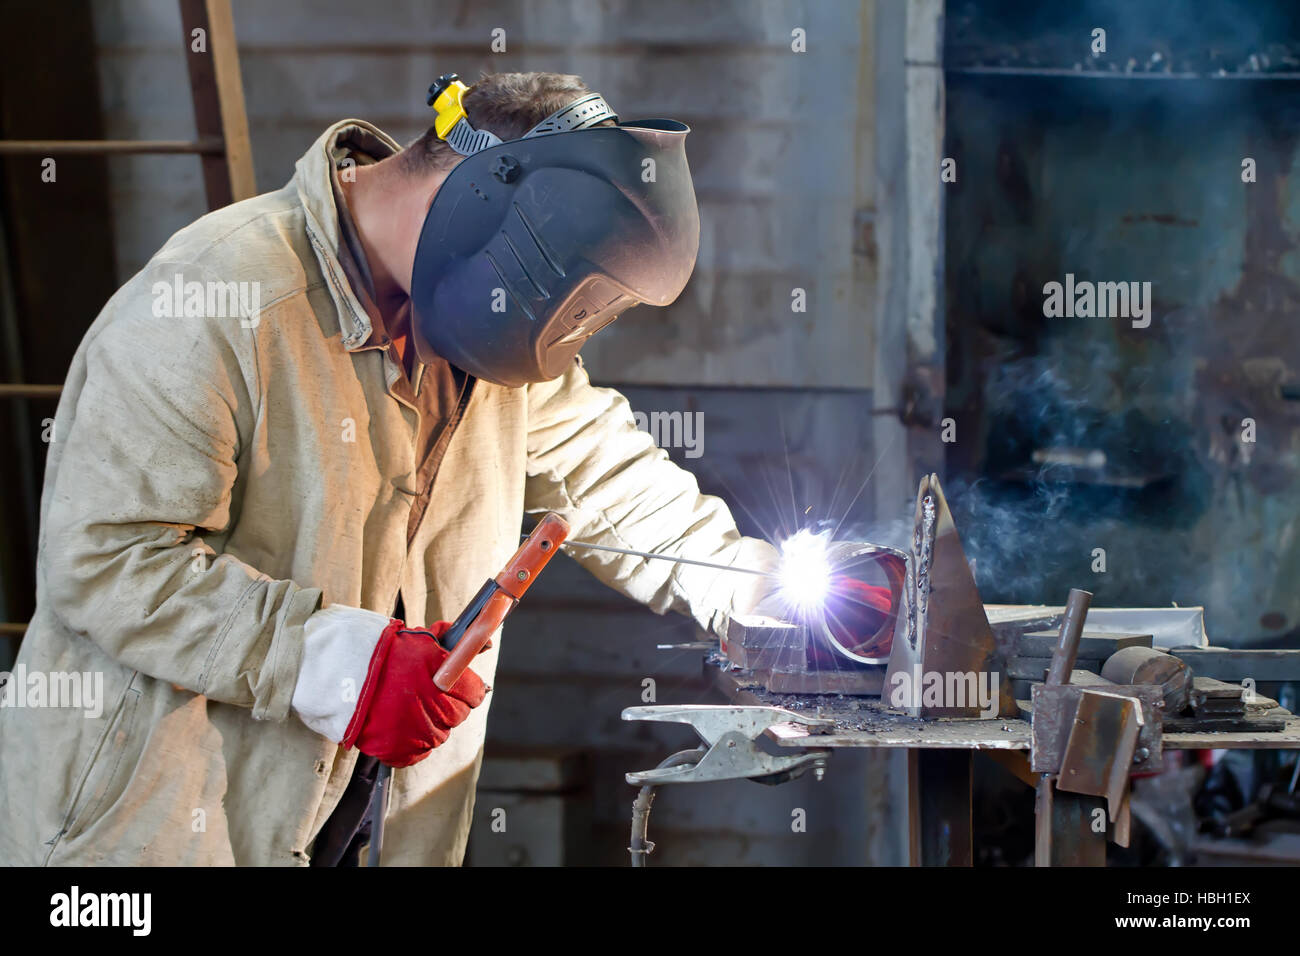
(469, 634)
(471, 631)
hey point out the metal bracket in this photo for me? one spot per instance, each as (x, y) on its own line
(733, 753)
(1056, 721)
(943, 628)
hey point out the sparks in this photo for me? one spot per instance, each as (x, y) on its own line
(805, 572)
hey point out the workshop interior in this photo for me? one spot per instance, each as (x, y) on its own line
(988, 325)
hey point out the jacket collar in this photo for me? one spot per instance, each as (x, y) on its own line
(314, 179)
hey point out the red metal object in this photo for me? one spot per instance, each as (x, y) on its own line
(471, 632)
(861, 617)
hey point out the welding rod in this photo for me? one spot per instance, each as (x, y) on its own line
(668, 557)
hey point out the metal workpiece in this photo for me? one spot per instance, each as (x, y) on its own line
(1238, 664)
(1167, 627)
(786, 658)
(858, 560)
(1146, 665)
(1096, 645)
(1035, 669)
(731, 734)
(1102, 747)
(1087, 740)
(1054, 721)
(942, 629)
(864, 723)
(939, 791)
(825, 652)
(1210, 696)
(1217, 706)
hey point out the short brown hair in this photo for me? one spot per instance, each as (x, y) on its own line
(507, 104)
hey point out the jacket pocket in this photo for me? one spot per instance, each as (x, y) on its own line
(106, 766)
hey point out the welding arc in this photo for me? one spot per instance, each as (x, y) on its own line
(668, 557)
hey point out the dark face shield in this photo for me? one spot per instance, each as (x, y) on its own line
(532, 246)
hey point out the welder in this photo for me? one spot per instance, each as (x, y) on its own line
(256, 525)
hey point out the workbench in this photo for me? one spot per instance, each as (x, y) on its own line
(940, 755)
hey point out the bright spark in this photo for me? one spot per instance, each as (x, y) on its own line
(805, 572)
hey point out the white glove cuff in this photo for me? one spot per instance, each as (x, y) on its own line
(338, 642)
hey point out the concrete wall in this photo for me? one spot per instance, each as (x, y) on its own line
(784, 154)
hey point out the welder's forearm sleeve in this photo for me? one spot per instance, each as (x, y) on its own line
(588, 461)
(148, 463)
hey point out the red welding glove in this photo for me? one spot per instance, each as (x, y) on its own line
(366, 680)
(401, 716)
(855, 614)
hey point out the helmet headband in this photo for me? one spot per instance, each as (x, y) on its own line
(452, 124)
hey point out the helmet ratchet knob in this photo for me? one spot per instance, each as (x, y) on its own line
(440, 84)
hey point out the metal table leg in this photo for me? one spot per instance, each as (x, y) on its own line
(1064, 828)
(939, 807)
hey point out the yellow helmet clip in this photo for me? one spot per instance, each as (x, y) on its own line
(452, 125)
(447, 104)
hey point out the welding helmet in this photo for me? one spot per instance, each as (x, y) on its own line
(532, 245)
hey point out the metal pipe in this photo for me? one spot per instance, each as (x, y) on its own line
(1067, 642)
(1043, 808)
(1058, 673)
(23, 390)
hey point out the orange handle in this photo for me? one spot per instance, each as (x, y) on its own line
(538, 548)
(476, 637)
(515, 579)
